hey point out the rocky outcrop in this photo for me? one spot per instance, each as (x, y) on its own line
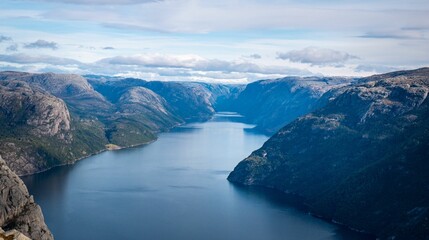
(12, 235)
(22, 105)
(18, 211)
(31, 120)
(57, 84)
(361, 160)
(75, 90)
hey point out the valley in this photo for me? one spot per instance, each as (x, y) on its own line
(335, 142)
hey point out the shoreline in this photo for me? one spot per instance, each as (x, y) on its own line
(117, 148)
(289, 195)
(92, 154)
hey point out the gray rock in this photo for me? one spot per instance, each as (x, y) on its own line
(22, 105)
(31, 120)
(17, 208)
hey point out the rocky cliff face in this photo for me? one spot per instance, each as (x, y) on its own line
(75, 90)
(22, 105)
(271, 104)
(18, 210)
(361, 160)
(29, 114)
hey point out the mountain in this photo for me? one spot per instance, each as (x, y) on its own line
(19, 214)
(54, 119)
(34, 123)
(190, 101)
(354, 150)
(88, 113)
(361, 160)
(75, 90)
(140, 114)
(271, 104)
(171, 104)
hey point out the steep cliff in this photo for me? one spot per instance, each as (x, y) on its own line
(81, 134)
(18, 211)
(32, 121)
(361, 160)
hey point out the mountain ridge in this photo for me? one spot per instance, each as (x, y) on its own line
(359, 160)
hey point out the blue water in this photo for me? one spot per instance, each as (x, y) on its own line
(174, 188)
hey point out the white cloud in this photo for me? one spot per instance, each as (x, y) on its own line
(417, 35)
(99, 2)
(157, 67)
(316, 56)
(212, 16)
(42, 44)
(254, 56)
(12, 48)
(4, 38)
(29, 59)
(376, 68)
(227, 37)
(198, 63)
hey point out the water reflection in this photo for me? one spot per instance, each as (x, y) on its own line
(285, 202)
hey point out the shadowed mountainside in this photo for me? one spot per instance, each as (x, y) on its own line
(271, 104)
(361, 160)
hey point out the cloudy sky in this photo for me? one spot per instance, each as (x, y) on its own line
(204, 40)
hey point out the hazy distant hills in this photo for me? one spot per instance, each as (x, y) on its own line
(361, 160)
(191, 101)
(271, 104)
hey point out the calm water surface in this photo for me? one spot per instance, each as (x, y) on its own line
(174, 188)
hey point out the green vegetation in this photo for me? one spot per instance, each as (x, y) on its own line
(98, 114)
(362, 160)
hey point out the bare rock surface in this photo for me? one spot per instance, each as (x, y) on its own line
(22, 105)
(18, 211)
